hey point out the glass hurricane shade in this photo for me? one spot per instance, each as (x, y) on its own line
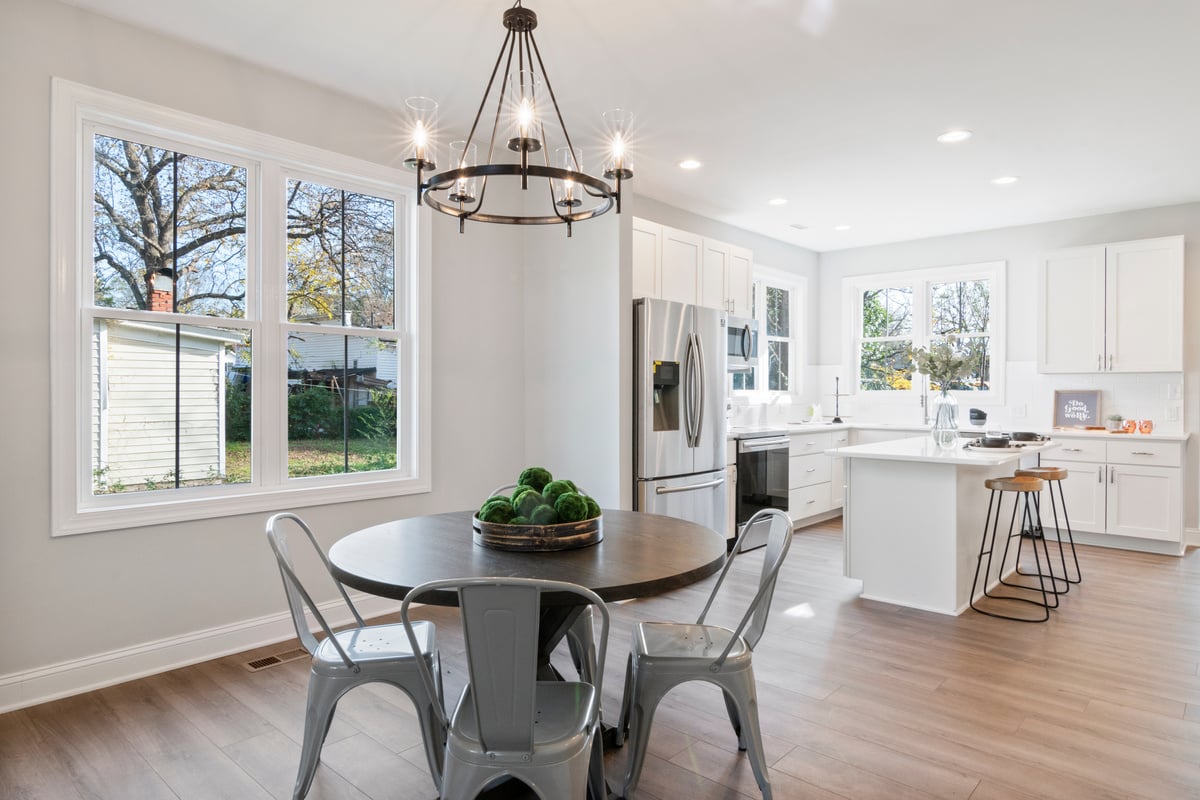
(462, 155)
(423, 112)
(524, 107)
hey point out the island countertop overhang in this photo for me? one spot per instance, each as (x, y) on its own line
(923, 449)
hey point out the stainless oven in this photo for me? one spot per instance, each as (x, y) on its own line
(741, 344)
(762, 480)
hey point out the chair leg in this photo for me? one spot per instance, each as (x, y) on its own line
(323, 695)
(597, 788)
(1070, 536)
(623, 720)
(641, 717)
(742, 695)
(735, 719)
(995, 525)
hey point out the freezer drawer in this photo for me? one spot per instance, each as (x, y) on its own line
(699, 498)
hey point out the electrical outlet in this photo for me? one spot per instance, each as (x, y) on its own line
(1172, 413)
(1019, 412)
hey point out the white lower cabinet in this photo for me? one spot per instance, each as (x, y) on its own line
(1130, 488)
(837, 471)
(816, 481)
(731, 483)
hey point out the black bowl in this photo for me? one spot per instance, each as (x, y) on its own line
(1028, 436)
(994, 441)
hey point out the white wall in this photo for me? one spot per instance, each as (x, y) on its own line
(1144, 395)
(70, 598)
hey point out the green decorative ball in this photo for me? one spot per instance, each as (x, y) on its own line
(496, 511)
(543, 515)
(571, 507)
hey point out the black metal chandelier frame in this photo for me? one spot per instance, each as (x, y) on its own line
(519, 41)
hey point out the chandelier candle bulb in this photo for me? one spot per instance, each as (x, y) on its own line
(521, 108)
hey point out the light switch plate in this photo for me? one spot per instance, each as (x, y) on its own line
(1172, 413)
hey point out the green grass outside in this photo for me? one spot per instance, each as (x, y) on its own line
(308, 457)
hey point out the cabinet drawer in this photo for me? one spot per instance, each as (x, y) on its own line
(1079, 450)
(840, 438)
(805, 443)
(808, 501)
(1144, 451)
(808, 470)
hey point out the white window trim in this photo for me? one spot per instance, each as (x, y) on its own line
(797, 353)
(74, 110)
(853, 287)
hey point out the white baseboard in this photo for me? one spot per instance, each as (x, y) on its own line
(66, 678)
(1191, 537)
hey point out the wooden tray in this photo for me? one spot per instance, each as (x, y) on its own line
(533, 538)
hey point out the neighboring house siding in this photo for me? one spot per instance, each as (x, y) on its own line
(139, 396)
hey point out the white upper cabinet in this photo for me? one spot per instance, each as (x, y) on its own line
(1112, 308)
(676, 265)
(681, 260)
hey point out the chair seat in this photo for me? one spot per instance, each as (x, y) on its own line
(560, 714)
(670, 641)
(1015, 484)
(1045, 473)
(373, 645)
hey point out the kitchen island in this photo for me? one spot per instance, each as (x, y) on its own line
(913, 517)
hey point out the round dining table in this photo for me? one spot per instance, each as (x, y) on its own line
(640, 555)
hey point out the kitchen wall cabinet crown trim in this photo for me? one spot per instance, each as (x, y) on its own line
(1114, 307)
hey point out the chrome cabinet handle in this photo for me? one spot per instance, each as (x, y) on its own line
(1112, 476)
(811, 469)
(1099, 362)
(1110, 361)
(1099, 474)
(1072, 450)
(809, 502)
(1141, 453)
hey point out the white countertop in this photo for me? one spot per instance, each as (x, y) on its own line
(922, 448)
(1053, 433)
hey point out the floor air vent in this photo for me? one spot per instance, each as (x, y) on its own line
(279, 658)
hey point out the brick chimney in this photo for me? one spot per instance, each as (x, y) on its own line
(162, 290)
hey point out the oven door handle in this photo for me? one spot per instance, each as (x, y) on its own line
(751, 445)
(691, 487)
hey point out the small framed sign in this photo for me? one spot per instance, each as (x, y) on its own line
(1077, 409)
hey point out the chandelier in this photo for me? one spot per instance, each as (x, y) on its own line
(519, 126)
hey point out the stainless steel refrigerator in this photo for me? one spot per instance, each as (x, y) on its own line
(679, 412)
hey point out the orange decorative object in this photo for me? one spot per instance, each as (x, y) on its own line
(1131, 426)
(1146, 425)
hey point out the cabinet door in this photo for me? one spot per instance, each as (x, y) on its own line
(837, 471)
(1144, 330)
(1145, 502)
(1084, 492)
(739, 276)
(647, 258)
(712, 275)
(1071, 310)
(731, 530)
(681, 258)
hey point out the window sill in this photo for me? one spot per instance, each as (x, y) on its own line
(144, 509)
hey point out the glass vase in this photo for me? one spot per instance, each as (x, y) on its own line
(945, 420)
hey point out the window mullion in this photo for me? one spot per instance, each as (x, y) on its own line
(269, 418)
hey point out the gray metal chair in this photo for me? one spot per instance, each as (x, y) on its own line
(508, 723)
(350, 658)
(664, 655)
(579, 638)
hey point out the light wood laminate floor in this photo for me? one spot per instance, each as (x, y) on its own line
(858, 700)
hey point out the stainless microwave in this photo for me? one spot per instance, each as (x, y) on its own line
(741, 343)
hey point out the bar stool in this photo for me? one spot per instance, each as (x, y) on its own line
(1055, 475)
(1022, 488)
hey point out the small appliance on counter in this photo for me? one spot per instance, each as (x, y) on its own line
(762, 479)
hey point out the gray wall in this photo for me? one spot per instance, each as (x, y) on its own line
(73, 597)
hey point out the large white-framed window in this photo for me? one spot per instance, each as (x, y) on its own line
(892, 312)
(778, 303)
(237, 320)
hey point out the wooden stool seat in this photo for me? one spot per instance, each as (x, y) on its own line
(1015, 483)
(1045, 473)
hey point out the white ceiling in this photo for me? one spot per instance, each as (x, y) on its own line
(833, 104)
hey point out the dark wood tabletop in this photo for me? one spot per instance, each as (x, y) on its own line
(640, 555)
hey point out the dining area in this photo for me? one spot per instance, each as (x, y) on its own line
(519, 709)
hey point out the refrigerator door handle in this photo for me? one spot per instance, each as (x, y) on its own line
(700, 384)
(691, 487)
(689, 388)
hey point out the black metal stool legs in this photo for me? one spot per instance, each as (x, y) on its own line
(987, 547)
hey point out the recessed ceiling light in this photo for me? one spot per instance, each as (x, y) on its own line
(1005, 180)
(777, 201)
(954, 136)
(841, 227)
(689, 163)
